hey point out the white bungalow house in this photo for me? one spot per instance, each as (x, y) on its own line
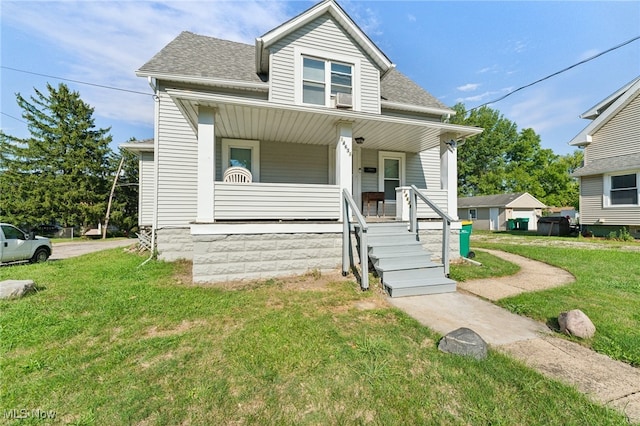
(610, 176)
(318, 116)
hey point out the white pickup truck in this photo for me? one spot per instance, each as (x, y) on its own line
(16, 245)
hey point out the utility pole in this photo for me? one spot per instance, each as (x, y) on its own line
(113, 188)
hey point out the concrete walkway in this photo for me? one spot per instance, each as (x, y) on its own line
(73, 249)
(602, 379)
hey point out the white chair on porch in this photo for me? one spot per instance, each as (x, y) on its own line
(237, 175)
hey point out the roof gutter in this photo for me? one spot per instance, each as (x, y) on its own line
(415, 108)
(207, 81)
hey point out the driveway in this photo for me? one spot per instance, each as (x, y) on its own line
(72, 249)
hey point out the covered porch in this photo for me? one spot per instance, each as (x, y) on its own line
(302, 158)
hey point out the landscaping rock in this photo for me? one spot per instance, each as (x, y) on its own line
(15, 289)
(576, 323)
(464, 341)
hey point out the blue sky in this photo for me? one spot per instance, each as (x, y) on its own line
(471, 52)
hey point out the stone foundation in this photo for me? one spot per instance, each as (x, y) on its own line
(219, 258)
(174, 244)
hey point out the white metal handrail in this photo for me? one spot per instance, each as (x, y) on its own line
(346, 240)
(446, 223)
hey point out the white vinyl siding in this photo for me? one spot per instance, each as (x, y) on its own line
(177, 159)
(146, 189)
(592, 211)
(276, 201)
(422, 169)
(318, 35)
(619, 136)
(294, 163)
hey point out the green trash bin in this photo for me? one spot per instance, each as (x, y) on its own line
(511, 224)
(465, 240)
(524, 224)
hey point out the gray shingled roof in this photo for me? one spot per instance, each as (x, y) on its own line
(607, 165)
(192, 55)
(499, 200)
(397, 87)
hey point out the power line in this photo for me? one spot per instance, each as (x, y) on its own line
(77, 81)
(558, 72)
(15, 118)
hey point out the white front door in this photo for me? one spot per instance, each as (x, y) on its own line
(494, 215)
(391, 174)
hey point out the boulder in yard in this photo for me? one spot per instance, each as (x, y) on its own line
(464, 341)
(15, 289)
(576, 323)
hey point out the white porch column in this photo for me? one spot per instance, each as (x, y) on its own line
(344, 160)
(206, 164)
(449, 173)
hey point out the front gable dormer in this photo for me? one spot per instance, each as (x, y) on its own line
(321, 58)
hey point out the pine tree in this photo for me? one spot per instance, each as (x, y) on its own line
(60, 173)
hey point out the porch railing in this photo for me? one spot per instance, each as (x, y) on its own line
(446, 222)
(276, 201)
(347, 250)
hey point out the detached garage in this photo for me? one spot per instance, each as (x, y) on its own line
(493, 212)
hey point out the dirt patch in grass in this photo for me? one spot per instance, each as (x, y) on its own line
(181, 328)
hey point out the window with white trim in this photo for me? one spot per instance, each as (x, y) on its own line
(621, 190)
(473, 214)
(322, 79)
(242, 153)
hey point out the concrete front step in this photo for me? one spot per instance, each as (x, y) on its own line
(387, 227)
(409, 261)
(399, 252)
(395, 238)
(433, 270)
(395, 247)
(419, 287)
(403, 265)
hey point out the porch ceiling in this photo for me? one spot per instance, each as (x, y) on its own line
(267, 121)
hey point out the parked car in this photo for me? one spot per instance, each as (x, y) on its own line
(48, 230)
(16, 245)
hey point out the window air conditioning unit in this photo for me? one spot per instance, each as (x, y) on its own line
(344, 100)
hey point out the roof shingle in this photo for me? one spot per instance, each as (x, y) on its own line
(193, 55)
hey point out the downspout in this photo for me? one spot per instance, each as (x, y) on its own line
(156, 160)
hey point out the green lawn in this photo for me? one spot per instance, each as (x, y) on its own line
(105, 342)
(607, 289)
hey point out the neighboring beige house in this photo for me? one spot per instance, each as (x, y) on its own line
(610, 177)
(312, 111)
(492, 212)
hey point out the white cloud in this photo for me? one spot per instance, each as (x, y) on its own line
(411, 18)
(469, 87)
(105, 42)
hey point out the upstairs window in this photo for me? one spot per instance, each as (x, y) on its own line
(624, 190)
(322, 79)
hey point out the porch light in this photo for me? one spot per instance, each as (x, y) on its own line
(359, 140)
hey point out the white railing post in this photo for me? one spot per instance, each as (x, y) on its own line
(346, 240)
(446, 226)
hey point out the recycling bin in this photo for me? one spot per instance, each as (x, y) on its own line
(465, 240)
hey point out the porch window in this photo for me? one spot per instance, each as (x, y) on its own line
(621, 190)
(320, 74)
(242, 153)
